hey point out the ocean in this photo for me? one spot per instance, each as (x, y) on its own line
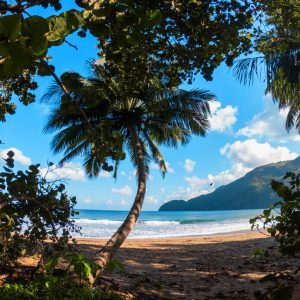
(155, 224)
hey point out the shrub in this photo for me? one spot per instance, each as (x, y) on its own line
(32, 210)
(282, 220)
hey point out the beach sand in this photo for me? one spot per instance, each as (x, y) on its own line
(203, 267)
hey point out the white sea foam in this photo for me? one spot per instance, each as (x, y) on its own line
(158, 223)
(158, 229)
(83, 222)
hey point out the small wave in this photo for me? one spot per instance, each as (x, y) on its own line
(111, 222)
(99, 222)
(159, 223)
(195, 221)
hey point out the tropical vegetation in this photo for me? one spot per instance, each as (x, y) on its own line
(131, 106)
(117, 123)
(282, 222)
(129, 34)
(277, 56)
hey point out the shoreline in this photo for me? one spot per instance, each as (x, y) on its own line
(229, 233)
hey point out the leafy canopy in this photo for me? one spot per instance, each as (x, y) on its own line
(181, 38)
(277, 40)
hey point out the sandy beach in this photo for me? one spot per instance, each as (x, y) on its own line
(203, 267)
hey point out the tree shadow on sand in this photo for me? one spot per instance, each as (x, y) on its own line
(209, 270)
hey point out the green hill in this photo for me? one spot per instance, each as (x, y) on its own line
(249, 192)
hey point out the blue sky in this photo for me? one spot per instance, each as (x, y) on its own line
(247, 130)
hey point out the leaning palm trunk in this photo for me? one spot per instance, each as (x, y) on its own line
(115, 242)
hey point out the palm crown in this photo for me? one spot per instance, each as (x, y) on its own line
(168, 117)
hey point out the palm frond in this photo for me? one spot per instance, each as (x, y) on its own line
(53, 94)
(92, 165)
(245, 70)
(116, 167)
(132, 150)
(293, 118)
(156, 155)
(69, 154)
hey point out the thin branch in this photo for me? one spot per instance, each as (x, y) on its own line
(18, 8)
(71, 45)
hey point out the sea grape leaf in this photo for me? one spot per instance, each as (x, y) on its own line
(19, 58)
(4, 49)
(36, 27)
(73, 19)
(58, 29)
(63, 25)
(10, 27)
(39, 46)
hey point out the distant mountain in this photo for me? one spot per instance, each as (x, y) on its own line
(249, 192)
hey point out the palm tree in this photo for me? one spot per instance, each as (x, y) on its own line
(281, 71)
(118, 124)
(279, 64)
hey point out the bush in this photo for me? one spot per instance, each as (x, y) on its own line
(282, 220)
(32, 210)
(70, 282)
(54, 288)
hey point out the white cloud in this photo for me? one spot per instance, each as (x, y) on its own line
(251, 154)
(125, 190)
(188, 192)
(222, 119)
(87, 200)
(151, 177)
(270, 124)
(151, 200)
(70, 171)
(18, 157)
(169, 169)
(124, 203)
(189, 165)
(244, 156)
(156, 167)
(109, 203)
(104, 174)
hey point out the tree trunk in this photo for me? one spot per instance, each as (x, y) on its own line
(115, 242)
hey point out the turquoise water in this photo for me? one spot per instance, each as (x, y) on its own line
(155, 224)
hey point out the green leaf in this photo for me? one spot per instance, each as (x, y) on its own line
(87, 269)
(19, 58)
(114, 264)
(4, 49)
(52, 263)
(36, 28)
(10, 27)
(73, 19)
(134, 38)
(154, 18)
(58, 29)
